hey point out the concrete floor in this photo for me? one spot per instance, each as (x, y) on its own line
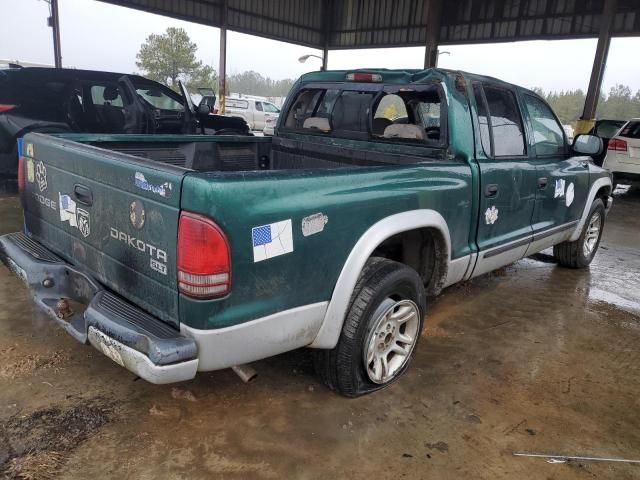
(532, 358)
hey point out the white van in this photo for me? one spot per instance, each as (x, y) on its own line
(254, 112)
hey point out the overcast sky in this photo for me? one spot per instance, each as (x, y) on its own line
(99, 36)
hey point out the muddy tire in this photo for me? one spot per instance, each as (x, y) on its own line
(580, 253)
(380, 331)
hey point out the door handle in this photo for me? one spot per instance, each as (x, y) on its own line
(491, 190)
(83, 194)
(542, 183)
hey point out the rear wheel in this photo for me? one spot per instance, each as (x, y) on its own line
(380, 332)
(580, 253)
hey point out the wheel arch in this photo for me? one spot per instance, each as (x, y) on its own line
(372, 239)
(601, 188)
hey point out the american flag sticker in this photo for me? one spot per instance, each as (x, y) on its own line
(272, 240)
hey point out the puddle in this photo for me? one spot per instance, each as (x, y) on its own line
(35, 446)
(613, 299)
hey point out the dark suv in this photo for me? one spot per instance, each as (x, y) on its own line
(64, 100)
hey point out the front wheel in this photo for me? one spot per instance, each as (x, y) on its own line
(580, 253)
(380, 331)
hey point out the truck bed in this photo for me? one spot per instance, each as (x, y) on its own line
(245, 153)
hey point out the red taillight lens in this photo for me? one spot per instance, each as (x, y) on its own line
(5, 108)
(21, 174)
(363, 77)
(617, 145)
(204, 260)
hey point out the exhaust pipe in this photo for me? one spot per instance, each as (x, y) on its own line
(245, 372)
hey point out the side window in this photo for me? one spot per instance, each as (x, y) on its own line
(548, 137)
(259, 106)
(483, 119)
(505, 123)
(106, 95)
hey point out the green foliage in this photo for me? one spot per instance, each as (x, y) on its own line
(170, 57)
(253, 83)
(620, 104)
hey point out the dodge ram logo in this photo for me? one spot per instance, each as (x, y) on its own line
(84, 222)
(41, 176)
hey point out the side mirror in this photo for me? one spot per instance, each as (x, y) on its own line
(587, 145)
(203, 109)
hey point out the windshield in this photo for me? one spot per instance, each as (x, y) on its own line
(158, 97)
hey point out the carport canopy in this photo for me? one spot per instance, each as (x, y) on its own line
(351, 24)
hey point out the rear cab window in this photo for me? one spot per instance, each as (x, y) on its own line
(387, 113)
(631, 130)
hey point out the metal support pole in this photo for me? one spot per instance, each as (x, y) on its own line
(222, 67)
(325, 57)
(54, 23)
(587, 120)
(327, 7)
(434, 14)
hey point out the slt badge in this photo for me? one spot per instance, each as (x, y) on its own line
(491, 215)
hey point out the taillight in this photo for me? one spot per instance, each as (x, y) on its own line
(21, 174)
(617, 145)
(5, 107)
(204, 259)
(363, 77)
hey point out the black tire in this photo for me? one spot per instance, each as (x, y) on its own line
(343, 368)
(572, 254)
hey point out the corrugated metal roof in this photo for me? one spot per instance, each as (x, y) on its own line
(386, 23)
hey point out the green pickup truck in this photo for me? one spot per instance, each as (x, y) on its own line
(178, 254)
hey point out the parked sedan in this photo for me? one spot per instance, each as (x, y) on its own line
(623, 155)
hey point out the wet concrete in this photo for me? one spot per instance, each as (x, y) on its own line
(531, 358)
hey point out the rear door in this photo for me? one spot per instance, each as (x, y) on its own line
(562, 178)
(258, 116)
(112, 214)
(507, 179)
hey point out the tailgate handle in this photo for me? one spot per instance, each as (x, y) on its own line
(83, 194)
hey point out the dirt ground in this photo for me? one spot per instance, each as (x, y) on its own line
(533, 358)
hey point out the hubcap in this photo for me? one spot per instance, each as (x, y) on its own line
(391, 340)
(592, 235)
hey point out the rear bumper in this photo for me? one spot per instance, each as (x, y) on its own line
(132, 338)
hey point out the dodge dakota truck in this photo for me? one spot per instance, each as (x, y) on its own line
(177, 254)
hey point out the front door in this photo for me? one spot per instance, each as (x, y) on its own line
(507, 180)
(562, 179)
(258, 117)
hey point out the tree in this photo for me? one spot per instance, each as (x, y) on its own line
(170, 57)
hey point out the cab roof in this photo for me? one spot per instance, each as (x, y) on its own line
(402, 76)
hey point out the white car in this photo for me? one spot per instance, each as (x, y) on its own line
(623, 153)
(270, 125)
(254, 112)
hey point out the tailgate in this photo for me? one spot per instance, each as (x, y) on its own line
(112, 214)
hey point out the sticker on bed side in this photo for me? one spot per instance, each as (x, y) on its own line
(491, 215)
(314, 224)
(559, 192)
(164, 190)
(272, 240)
(31, 171)
(569, 195)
